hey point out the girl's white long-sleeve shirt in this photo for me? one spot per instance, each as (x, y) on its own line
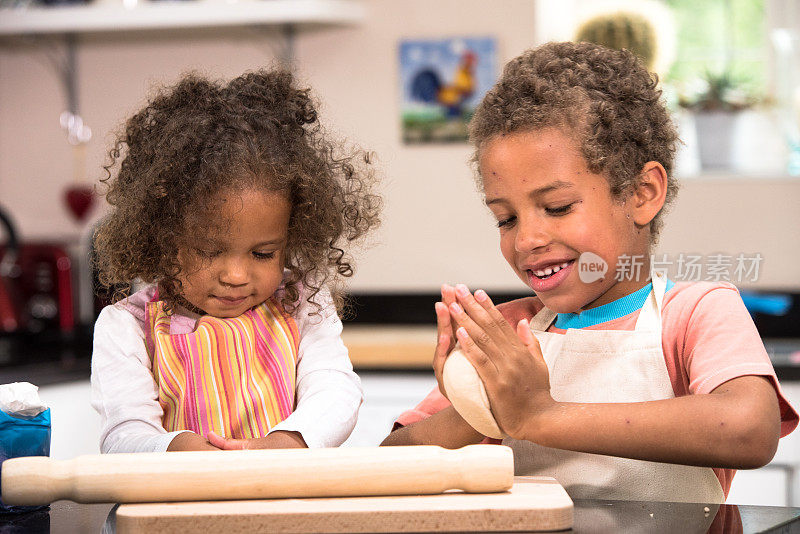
(328, 392)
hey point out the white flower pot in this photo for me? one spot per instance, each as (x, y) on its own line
(715, 136)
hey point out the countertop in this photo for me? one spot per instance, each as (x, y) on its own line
(590, 516)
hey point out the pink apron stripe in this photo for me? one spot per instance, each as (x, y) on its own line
(258, 425)
(238, 411)
(269, 362)
(169, 381)
(218, 377)
(287, 402)
(195, 393)
(270, 354)
(249, 418)
(254, 420)
(169, 403)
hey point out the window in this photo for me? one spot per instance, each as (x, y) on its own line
(720, 37)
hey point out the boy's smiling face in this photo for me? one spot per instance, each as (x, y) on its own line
(242, 268)
(550, 209)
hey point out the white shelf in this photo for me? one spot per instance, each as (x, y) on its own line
(176, 14)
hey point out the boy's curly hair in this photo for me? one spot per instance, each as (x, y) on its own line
(605, 97)
(202, 137)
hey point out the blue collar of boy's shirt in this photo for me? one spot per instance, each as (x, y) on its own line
(607, 312)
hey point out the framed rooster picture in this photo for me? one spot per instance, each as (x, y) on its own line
(441, 83)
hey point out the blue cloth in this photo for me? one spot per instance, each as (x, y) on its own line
(607, 312)
(23, 436)
(778, 304)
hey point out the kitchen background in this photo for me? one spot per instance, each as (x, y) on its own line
(99, 61)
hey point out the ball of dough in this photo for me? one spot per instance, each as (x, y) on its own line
(466, 392)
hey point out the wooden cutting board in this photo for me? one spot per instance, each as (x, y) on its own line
(532, 504)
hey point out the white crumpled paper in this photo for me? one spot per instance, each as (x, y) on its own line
(21, 398)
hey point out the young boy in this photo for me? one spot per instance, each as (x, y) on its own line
(629, 387)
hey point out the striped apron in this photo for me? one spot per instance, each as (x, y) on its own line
(235, 376)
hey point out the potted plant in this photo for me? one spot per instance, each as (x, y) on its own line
(619, 30)
(716, 107)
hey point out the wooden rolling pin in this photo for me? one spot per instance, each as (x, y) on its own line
(261, 474)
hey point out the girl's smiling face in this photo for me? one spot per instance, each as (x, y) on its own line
(241, 269)
(550, 209)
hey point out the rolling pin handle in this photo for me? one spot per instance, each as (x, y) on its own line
(485, 468)
(33, 480)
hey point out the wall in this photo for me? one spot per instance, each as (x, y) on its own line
(747, 216)
(435, 228)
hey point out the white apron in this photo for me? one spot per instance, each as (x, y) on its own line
(611, 366)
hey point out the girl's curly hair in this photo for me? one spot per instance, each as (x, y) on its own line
(605, 97)
(201, 137)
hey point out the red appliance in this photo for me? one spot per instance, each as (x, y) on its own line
(35, 285)
(9, 301)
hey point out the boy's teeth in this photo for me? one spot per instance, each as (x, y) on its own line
(550, 270)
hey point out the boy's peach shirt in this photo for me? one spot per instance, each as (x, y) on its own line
(708, 338)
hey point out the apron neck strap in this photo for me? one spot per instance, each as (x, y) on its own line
(542, 320)
(649, 317)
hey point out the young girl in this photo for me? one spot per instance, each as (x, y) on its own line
(233, 209)
(621, 387)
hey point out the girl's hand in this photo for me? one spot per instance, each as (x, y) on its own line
(445, 331)
(508, 360)
(275, 440)
(189, 441)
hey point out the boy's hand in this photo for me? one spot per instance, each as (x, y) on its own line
(445, 428)
(508, 360)
(513, 311)
(445, 331)
(516, 310)
(274, 440)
